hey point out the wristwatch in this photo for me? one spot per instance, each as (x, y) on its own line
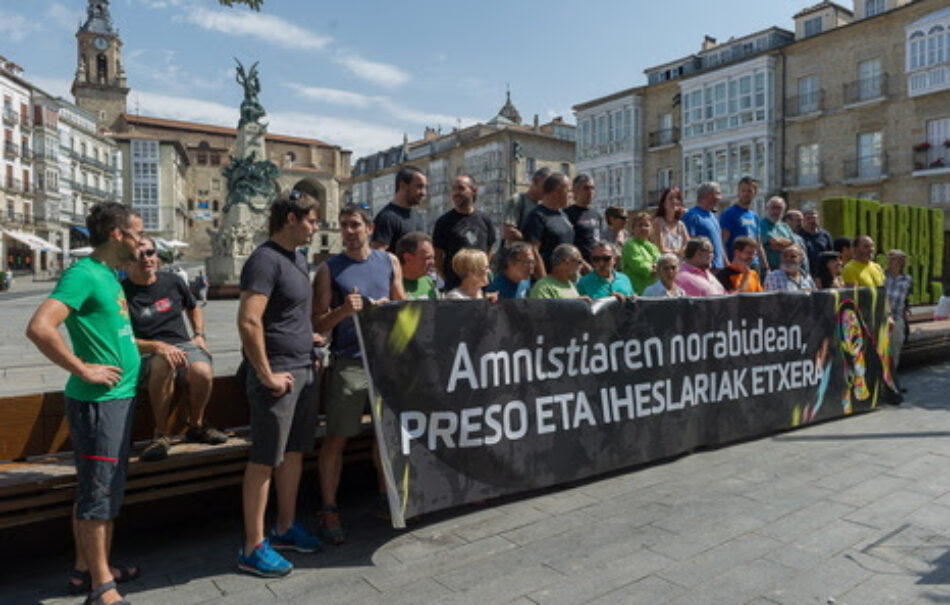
(197, 334)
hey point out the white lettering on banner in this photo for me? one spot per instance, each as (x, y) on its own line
(477, 426)
(580, 357)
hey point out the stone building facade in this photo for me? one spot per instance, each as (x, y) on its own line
(500, 155)
(204, 151)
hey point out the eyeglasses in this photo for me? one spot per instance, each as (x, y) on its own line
(527, 261)
(146, 254)
(576, 260)
(601, 259)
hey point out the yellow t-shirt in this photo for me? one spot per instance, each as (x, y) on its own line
(868, 274)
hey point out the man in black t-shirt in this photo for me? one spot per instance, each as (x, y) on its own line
(588, 224)
(397, 218)
(156, 301)
(461, 227)
(546, 227)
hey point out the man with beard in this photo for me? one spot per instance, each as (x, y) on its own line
(157, 300)
(694, 276)
(397, 218)
(605, 280)
(566, 261)
(461, 227)
(521, 204)
(776, 234)
(587, 222)
(790, 275)
(861, 270)
(100, 392)
(339, 289)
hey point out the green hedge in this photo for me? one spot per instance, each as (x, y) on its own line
(916, 230)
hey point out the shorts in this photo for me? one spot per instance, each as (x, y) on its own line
(347, 397)
(192, 351)
(100, 432)
(282, 424)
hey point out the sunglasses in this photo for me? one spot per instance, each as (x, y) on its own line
(601, 259)
(146, 254)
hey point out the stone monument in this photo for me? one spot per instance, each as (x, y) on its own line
(252, 186)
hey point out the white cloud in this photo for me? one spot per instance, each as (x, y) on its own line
(361, 137)
(346, 98)
(333, 96)
(64, 17)
(267, 28)
(16, 27)
(381, 74)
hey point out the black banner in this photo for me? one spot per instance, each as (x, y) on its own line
(474, 400)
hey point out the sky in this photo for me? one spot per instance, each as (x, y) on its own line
(361, 74)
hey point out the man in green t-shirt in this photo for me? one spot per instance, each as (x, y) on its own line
(417, 257)
(100, 392)
(566, 261)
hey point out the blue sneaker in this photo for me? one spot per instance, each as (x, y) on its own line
(264, 561)
(296, 538)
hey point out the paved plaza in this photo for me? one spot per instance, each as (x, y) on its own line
(855, 511)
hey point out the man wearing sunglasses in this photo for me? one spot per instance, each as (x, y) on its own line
(604, 280)
(157, 300)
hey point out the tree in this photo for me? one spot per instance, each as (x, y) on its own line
(252, 4)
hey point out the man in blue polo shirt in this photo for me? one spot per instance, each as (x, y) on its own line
(739, 220)
(604, 280)
(701, 221)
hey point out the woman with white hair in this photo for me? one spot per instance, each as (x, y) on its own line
(667, 266)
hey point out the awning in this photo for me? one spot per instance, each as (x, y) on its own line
(81, 229)
(169, 244)
(32, 240)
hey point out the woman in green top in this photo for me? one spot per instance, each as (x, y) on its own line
(639, 253)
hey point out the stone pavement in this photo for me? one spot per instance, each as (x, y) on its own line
(853, 511)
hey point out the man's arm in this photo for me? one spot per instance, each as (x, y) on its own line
(251, 329)
(396, 289)
(323, 317)
(43, 331)
(196, 317)
(724, 234)
(440, 262)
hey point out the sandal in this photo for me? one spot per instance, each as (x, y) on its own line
(95, 597)
(81, 581)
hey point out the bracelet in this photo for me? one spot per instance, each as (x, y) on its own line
(197, 334)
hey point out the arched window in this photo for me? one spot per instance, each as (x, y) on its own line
(102, 69)
(917, 50)
(935, 45)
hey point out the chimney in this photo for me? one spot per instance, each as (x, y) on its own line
(708, 42)
(535, 121)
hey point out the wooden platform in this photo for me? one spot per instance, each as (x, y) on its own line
(37, 477)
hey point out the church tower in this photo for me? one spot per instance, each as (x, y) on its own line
(99, 86)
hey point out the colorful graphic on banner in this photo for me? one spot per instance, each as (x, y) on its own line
(473, 400)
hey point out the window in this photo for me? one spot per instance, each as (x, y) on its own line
(145, 182)
(215, 159)
(728, 104)
(870, 155)
(529, 167)
(940, 193)
(812, 26)
(664, 177)
(938, 131)
(808, 95)
(869, 79)
(566, 169)
(601, 130)
(202, 158)
(808, 164)
(873, 7)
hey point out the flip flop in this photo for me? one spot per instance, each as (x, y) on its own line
(81, 581)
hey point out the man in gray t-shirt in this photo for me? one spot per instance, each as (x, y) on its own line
(277, 341)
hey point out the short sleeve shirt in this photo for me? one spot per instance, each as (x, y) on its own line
(588, 225)
(99, 328)
(156, 309)
(731, 278)
(595, 286)
(517, 209)
(454, 231)
(772, 230)
(282, 276)
(420, 289)
(548, 287)
(739, 222)
(550, 228)
(393, 222)
(701, 222)
(868, 274)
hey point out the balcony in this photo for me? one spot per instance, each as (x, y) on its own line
(25, 122)
(865, 169)
(930, 160)
(805, 105)
(797, 180)
(935, 78)
(10, 116)
(9, 149)
(17, 219)
(866, 90)
(26, 153)
(664, 137)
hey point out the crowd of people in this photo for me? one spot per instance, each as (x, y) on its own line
(553, 245)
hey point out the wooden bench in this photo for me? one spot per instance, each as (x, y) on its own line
(37, 478)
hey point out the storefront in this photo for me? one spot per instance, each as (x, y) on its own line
(26, 253)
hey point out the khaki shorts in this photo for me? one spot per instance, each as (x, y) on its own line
(347, 397)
